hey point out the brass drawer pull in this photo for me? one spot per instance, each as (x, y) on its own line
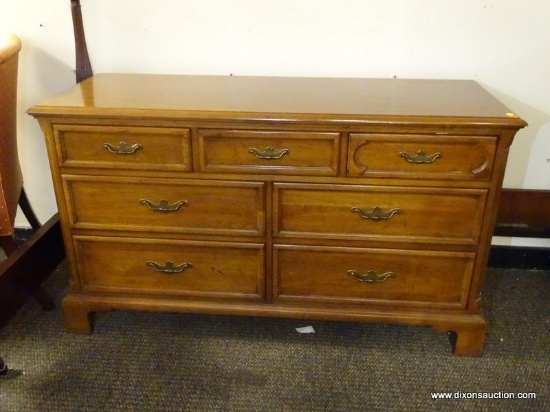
(376, 214)
(169, 267)
(123, 148)
(371, 276)
(163, 206)
(420, 157)
(268, 153)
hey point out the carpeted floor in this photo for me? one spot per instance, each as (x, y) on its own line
(139, 361)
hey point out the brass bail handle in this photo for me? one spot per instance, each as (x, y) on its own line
(371, 276)
(163, 206)
(122, 148)
(421, 157)
(376, 214)
(169, 267)
(268, 153)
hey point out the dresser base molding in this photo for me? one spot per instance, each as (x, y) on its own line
(469, 329)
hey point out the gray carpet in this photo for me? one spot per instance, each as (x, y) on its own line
(138, 361)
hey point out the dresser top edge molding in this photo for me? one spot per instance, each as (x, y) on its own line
(282, 99)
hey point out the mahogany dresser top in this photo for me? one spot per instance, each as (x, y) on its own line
(282, 98)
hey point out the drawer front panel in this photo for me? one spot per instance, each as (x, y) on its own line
(379, 213)
(123, 147)
(363, 276)
(176, 268)
(209, 207)
(421, 156)
(299, 153)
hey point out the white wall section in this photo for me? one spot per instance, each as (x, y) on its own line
(502, 44)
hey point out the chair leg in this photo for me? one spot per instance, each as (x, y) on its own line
(8, 243)
(45, 301)
(27, 210)
(3, 367)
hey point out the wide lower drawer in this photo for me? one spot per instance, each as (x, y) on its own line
(411, 214)
(114, 147)
(250, 151)
(421, 156)
(190, 206)
(372, 276)
(209, 269)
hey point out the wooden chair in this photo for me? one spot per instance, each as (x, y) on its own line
(27, 265)
(11, 177)
(12, 192)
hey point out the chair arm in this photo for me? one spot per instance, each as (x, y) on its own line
(10, 45)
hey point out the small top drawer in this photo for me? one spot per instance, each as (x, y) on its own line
(123, 147)
(271, 152)
(421, 156)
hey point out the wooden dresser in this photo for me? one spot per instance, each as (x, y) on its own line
(334, 199)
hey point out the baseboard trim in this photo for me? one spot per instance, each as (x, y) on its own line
(519, 257)
(523, 213)
(22, 234)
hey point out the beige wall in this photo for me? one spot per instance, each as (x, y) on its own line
(503, 44)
